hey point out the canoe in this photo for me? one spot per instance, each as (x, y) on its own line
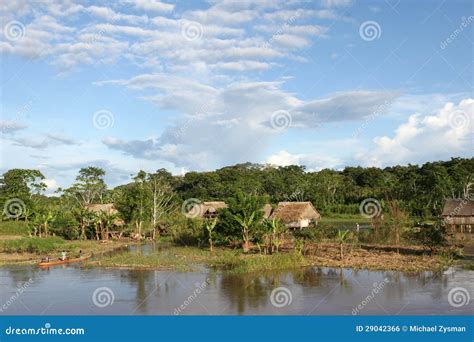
(61, 262)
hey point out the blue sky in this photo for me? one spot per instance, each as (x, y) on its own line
(187, 85)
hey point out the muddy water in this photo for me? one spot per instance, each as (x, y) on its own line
(72, 290)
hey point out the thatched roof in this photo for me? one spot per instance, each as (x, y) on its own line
(109, 208)
(458, 211)
(210, 208)
(458, 207)
(289, 212)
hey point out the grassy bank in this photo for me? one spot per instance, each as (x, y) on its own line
(234, 261)
(190, 258)
(16, 247)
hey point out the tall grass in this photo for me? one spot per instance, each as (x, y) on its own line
(13, 228)
(33, 245)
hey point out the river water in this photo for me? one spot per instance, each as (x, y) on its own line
(72, 290)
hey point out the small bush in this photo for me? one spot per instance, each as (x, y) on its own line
(33, 245)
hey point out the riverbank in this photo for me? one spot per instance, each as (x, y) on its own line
(16, 247)
(234, 261)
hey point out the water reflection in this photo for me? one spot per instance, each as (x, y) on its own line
(68, 290)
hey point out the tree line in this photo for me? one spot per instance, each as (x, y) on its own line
(152, 203)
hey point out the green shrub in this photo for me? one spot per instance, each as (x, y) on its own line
(33, 245)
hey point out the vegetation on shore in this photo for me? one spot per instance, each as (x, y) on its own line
(239, 237)
(234, 261)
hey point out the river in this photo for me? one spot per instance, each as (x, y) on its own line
(73, 290)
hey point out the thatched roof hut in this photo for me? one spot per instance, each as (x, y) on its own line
(296, 214)
(209, 209)
(109, 208)
(458, 212)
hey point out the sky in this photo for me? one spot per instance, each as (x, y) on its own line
(188, 85)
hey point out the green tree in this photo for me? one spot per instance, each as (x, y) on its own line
(89, 187)
(162, 196)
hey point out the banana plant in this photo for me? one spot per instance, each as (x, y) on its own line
(342, 237)
(246, 221)
(210, 226)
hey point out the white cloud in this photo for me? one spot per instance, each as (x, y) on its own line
(232, 124)
(313, 162)
(51, 184)
(422, 138)
(151, 5)
(9, 127)
(47, 141)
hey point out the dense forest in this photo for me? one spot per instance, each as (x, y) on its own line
(421, 189)
(153, 202)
